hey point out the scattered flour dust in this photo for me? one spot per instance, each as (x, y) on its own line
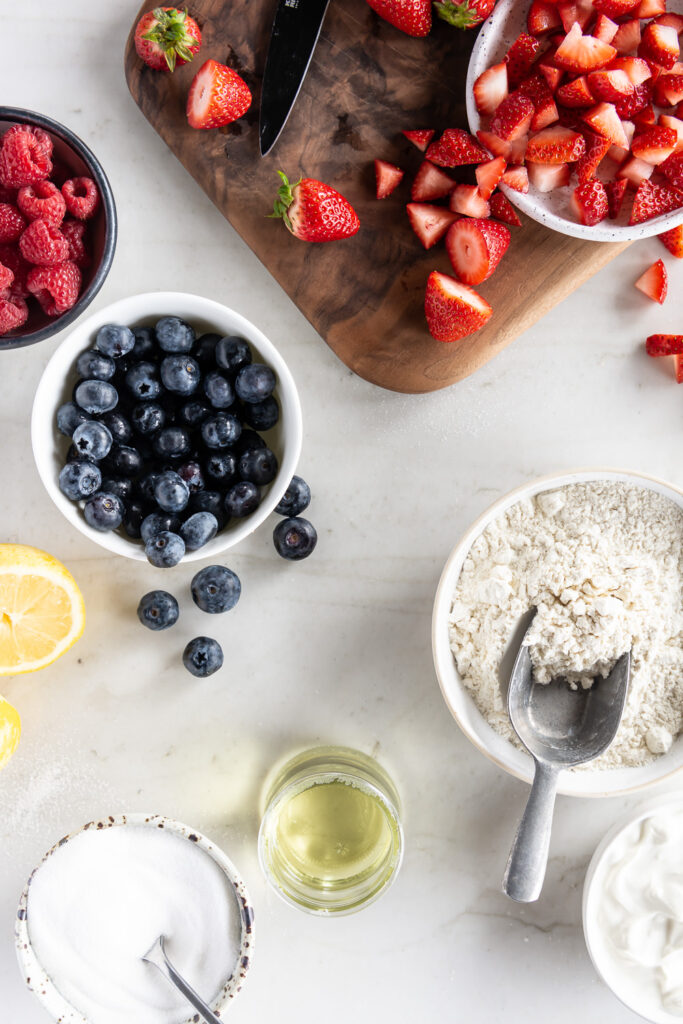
(602, 562)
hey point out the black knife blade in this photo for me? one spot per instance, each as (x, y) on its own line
(295, 32)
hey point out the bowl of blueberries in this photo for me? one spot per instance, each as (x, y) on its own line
(167, 427)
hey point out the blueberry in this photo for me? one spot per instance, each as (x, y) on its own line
(143, 382)
(258, 465)
(248, 441)
(95, 365)
(242, 499)
(171, 443)
(174, 335)
(92, 439)
(180, 374)
(165, 549)
(103, 511)
(171, 492)
(132, 518)
(296, 498)
(215, 589)
(155, 523)
(209, 501)
(114, 340)
(69, 416)
(147, 418)
(194, 413)
(262, 415)
(119, 486)
(203, 656)
(145, 346)
(205, 349)
(118, 426)
(191, 473)
(218, 390)
(255, 382)
(145, 486)
(124, 461)
(221, 430)
(221, 467)
(232, 354)
(79, 480)
(96, 396)
(158, 610)
(294, 538)
(198, 530)
(74, 455)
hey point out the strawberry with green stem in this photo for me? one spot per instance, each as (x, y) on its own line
(314, 211)
(165, 37)
(464, 13)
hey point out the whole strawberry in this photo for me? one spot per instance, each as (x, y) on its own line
(217, 96)
(165, 37)
(411, 16)
(313, 211)
(464, 13)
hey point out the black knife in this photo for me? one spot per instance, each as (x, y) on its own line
(295, 32)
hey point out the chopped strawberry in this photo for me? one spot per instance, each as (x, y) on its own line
(589, 203)
(596, 148)
(615, 8)
(491, 88)
(387, 177)
(542, 17)
(495, 145)
(577, 12)
(546, 177)
(654, 145)
(664, 345)
(576, 93)
(518, 149)
(513, 117)
(638, 100)
(516, 178)
(635, 171)
(538, 91)
(488, 175)
(467, 200)
(653, 200)
(673, 20)
(616, 190)
(671, 240)
(583, 53)
(672, 168)
(605, 29)
(430, 223)
(650, 8)
(644, 118)
(555, 145)
(455, 148)
(637, 69)
(420, 137)
(475, 248)
(653, 282)
(660, 44)
(669, 90)
(667, 121)
(610, 86)
(627, 38)
(520, 57)
(605, 120)
(452, 309)
(552, 75)
(430, 183)
(502, 209)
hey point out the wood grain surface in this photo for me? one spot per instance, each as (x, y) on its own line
(367, 81)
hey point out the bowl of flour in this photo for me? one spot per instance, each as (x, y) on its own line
(599, 555)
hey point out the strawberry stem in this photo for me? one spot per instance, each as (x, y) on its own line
(170, 35)
(460, 15)
(285, 198)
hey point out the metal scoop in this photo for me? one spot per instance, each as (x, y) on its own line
(156, 955)
(561, 728)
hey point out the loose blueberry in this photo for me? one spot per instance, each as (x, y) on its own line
(145, 347)
(203, 656)
(232, 354)
(79, 480)
(295, 538)
(218, 390)
(119, 486)
(124, 461)
(174, 334)
(193, 413)
(205, 349)
(92, 439)
(171, 492)
(242, 499)
(209, 501)
(180, 374)
(142, 382)
(114, 340)
(191, 473)
(255, 382)
(165, 549)
(96, 396)
(118, 426)
(147, 418)
(258, 465)
(157, 522)
(215, 589)
(103, 511)
(221, 467)
(132, 518)
(158, 610)
(69, 416)
(198, 530)
(95, 365)
(171, 443)
(221, 430)
(262, 415)
(296, 498)
(145, 486)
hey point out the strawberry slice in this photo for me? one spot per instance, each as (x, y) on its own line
(667, 121)
(513, 117)
(502, 209)
(420, 137)
(610, 86)
(672, 168)
(664, 345)
(627, 38)
(660, 44)
(387, 177)
(583, 53)
(576, 93)
(589, 203)
(520, 57)
(518, 149)
(516, 178)
(605, 29)
(615, 8)
(673, 20)
(671, 240)
(546, 177)
(596, 148)
(430, 183)
(655, 145)
(650, 8)
(475, 248)
(491, 88)
(430, 223)
(638, 101)
(669, 90)
(538, 91)
(605, 120)
(645, 118)
(488, 175)
(555, 145)
(452, 309)
(653, 282)
(653, 200)
(637, 69)
(468, 200)
(495, 145)
(456, 148)
(616, 190)
(577, 12)
(635, 171)
(542, 17)
(217, 96)
(552, 75)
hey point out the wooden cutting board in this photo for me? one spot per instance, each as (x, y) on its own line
(367, 81)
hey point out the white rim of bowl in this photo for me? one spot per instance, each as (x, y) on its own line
(44, 434)
(40, 983)
(443, 656)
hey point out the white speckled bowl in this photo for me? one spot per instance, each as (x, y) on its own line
(499, 750)
(40, 983)
(551, 208)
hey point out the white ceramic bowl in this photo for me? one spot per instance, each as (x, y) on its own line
(499, 750)
(40, 983)
(59, 377)
(591, 892)
(551, 208)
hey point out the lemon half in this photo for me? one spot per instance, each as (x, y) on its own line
(10, 731)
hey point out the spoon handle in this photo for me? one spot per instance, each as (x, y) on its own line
(525, 871)
(157, 956)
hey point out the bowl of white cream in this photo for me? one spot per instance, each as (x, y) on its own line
(633, 910)
(102, 896)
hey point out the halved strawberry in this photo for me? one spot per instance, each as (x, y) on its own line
(650, 8)
(498, 147)
(468, 200)
(475, 248)
(430, 183)
(628, 37)
(576, 93)
(552, 75)
(605, 29)
(456, 148)
(654, 145)
(653, 282)
(605, 120)
(660, 44)
(217, 96)
(513, 117)
(430, 223)
(667, 121)
(488, 175)
(637, 101)
(596, 148)
(668, 90)
(589, 203)
(583, 53)
(637, 69)
(653, 200)
(516, 178)
(555, 145)
(664, 345)
(546, 177)
(502, 209)
(616, 190)
(491, 88)
(420, 137)
(672, 168)
(520, 57)
(387, 177)
(635, 171)
(671, 240)
(542, 17)
(610, 86)
(453, 310)
(538, 91)
(615, 8)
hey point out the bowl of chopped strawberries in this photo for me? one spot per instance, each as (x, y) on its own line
(583, 101)
(57, 227)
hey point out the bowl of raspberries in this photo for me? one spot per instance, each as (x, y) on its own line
(167, 427)
(57, 227)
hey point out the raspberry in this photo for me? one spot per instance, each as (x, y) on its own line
(42, 200)
(8, 195)
(56, 288)
(73, 231)
(12, 258)
(24, 157)
(43, 244)
(82, 197)
(6, 277)
(12, 223)
(13, 314)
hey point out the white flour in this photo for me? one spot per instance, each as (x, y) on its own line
(603, 564)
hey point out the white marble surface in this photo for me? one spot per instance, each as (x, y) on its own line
(334, 649)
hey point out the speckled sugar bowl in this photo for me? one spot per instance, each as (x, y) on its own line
(39, 982)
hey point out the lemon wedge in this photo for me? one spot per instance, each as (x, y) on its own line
(41, 609)
(10, 731)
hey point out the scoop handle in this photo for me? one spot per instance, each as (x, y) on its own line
(525, 871)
